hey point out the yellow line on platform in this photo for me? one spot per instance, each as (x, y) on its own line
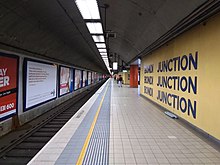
(86, 143)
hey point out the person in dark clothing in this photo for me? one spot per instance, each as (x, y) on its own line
(120, 81)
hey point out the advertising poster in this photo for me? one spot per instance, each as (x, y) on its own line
(78, 79)
(8, 85)
(96, 77)
(84, 78)
(93, 77)
(89, 78)
(41, 83)
(66, 80)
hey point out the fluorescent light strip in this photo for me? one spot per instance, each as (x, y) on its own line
(100, 45)
(94, 27)
(102, 50)
(103, 54)
(98, 38)
(88, 9)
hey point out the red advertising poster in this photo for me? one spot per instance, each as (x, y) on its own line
(8, 85)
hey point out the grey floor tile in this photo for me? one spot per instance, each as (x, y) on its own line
(147, 131)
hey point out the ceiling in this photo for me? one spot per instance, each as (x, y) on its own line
(139, 23)
(54, 29)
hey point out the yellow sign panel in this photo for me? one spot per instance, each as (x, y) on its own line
(184, 76)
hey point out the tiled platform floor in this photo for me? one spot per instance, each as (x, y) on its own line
(139, 134)
(65, 147)
(142, 134)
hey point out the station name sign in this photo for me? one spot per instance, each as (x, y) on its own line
(173, 75)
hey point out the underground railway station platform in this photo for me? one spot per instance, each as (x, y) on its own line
(118, 126)
(62, 64)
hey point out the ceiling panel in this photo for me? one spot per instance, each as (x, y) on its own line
(55, 29)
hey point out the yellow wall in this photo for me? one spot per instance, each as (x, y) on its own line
(205, 40)
(125, 77)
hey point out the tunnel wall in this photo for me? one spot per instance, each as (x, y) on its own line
(23, 115)
(183, 76)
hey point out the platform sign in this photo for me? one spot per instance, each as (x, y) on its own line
(115, 66)
(89, 78)
(66, 80)
(78, 79)
(41, 83)
(8, 85)
(85, 78)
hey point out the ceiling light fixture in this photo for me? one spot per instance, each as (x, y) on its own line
(94, 27)
(90, 13)
(103, 54)
(102, 50)
(88, 9)
(98, 38)
(100, 45)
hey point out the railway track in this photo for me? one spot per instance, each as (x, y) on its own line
(20, 151)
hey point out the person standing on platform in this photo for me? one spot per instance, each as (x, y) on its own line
(120, 81)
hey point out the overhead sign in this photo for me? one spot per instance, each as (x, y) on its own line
(41, 83)
(115, 66)
(8, 85)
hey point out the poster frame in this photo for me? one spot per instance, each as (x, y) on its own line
(26, 60)
(86, 81)
(11, 55)
(73, 74)
(88, 78)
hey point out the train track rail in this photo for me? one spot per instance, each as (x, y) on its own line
(21, 150)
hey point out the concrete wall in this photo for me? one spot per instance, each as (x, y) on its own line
(183, 76)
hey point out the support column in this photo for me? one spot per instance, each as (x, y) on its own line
(134, 76)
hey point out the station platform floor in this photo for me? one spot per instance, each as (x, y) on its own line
(118, 126)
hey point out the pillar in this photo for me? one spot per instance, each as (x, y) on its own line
(134, 76)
